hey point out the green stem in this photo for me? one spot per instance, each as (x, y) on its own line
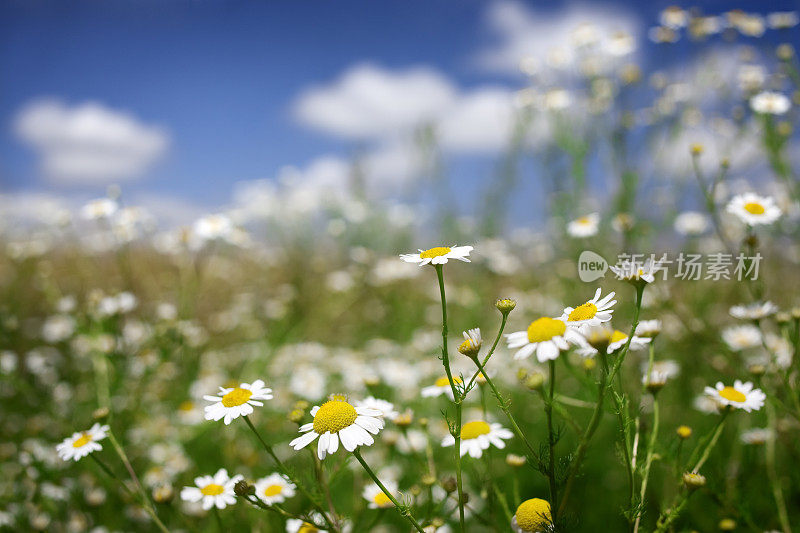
(219, 520)
(551, 440)
(401, 509)
(711, 443)
(648, 461)
(456, 397)
(488, 355)
(286, 473)
(777, 491)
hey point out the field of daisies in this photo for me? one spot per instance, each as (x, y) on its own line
(628, 364)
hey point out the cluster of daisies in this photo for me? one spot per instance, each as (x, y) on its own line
(340, 423)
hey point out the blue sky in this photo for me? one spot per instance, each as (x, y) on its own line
(220, 79)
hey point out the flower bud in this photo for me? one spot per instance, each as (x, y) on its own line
(100, 414)
(163, 493)
(727, 524)
(693, 480)
(505, 305)
(449, 484)
(684, 432)
(534, 381)
(242, 488)
(515, 460)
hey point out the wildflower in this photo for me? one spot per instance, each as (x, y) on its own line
(585, 226)
(742, 337)
(739, 396)
(755, 311)
(727, 524)
(377, 498)
(545, 336)
(101, 208)
(691, 223)
(674, 17)
(58, 328)
(693, 480)
(477, 436)
(440, 386)
(782, 19)
(234, 402)
(505, 305)
(438, 255)
(648, 328)
(592, 313)
(617, 340)
(532, 516)
(756, 436)
(655, 381)
(337, 420)
(472, 343)
(212, 491)
(386, 409)
(295, 525)
(770, 103)
(515, 460)
(636, 272)
(82, 443)
(274, 488)
(684, 432)
(753, 209)
(213, 227)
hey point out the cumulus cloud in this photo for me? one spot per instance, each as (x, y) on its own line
(89, 143)
(557, 35)
(371, 103)
(368, 101)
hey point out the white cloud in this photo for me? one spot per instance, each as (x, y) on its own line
(368, 101)
(89, 143)
(523, 33)
(480, 121)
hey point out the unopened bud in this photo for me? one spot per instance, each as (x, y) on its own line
(449, 484)
(534, 381)
(242, 488)
(100, 414)
(684, 432)
(757, 369)
(505, 305)
(693, 480)
(296, 416)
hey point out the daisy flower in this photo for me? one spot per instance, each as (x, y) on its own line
(753, 209)
(440, 386)
(472, 342)
(585, 226)
(741, 337)
(754, 311)
(212, 491)
(617, 341)
(592, 313)
(770, 103)
(387, 409)
(99, 209)
(376, 497)
(274, 488)
(477, 435)
(739, 396)
(634, 271)
(237, 401)
(337, 420)
(546, 336)
(532, 516)
(295, 525)
(648, 328)
(438, 255)
(82, 443)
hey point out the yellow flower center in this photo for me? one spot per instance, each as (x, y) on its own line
(273, 490)
(334, 416)
(186, 406)
(754, 208)
(381, 499)
(435, 252)
(732, 395)
(83, 441)
(307, 528)
(544, 329)
(584, 221)
(583, 312)
(212, 489)
(534, 515)
(237, 396)
(618, 336)
(444, 382)
(472, 430)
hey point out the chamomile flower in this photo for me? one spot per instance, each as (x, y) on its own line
(477, 436)
(438, 255)
(274, 488)
(387, 409)
(295, 525)
(592, 313)
(648, 328)
(212, 491)
(754, 311)
(82, 443)
(532, 516)
(545, 336)
(616, 342)
(635, 271)
(770, 103)
(585, 226)
(439, 387)
(742, 337)
(472, 342)
(231, 403)
(337, 420)
(753, 209)
(376, 497)
(739, 396)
